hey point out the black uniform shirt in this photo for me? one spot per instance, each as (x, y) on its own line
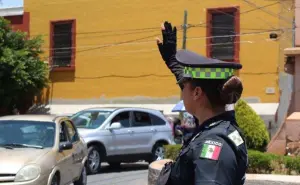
(215, 155)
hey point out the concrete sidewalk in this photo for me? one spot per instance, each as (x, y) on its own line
(266, 179)
(259, 108)
(268, 183)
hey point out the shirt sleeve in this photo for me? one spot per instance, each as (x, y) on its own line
(175, 68)
(214, 162)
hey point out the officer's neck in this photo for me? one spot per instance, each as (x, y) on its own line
(205, 114)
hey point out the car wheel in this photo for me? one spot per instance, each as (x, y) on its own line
(158, 152)
(83, 178)
(55, 180)
(115, 164)
(93, 164)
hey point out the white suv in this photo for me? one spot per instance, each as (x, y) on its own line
(117, 135)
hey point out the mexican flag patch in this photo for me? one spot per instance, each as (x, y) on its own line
(211, 150)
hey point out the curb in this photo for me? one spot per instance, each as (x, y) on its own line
(270, 177)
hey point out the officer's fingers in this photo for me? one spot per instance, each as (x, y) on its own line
(163, 31)
(162, 26)
(161, 49)
(175, 29)
(175, 32)
(168, 27)
(158, 41)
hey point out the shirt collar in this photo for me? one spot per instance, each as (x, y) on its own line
(225, 116)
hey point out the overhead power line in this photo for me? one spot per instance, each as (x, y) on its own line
(269, 12)
(149, 29)
(139, 41)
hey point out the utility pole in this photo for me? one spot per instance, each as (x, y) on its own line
(184, 26)
(294, 32)
(184, 29)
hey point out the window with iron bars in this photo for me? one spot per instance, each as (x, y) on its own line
(223, 34)
(62, 50)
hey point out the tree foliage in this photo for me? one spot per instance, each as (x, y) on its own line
(22, 72)
(252, 125)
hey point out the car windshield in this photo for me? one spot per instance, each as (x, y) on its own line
(91, 119)
(26, 134)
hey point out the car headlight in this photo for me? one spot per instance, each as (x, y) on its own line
(28, 173)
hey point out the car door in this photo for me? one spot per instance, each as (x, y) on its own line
(65, 161)
(122, 138)
(77, 151)
(161, 129)
(142, 131)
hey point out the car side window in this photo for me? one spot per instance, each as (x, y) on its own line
(141, 119)
(72, 132)
(83, 119)
(123, 118)
(63, 133)
(157, 120)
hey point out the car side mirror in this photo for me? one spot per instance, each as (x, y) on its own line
(115, 125)
(65, 146)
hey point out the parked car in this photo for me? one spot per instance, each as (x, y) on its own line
(117, 135)
(41, 149)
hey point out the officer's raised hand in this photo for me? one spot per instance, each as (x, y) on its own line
(168, 46)
(168, 49)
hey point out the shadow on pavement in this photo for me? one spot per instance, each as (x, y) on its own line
(125, 167)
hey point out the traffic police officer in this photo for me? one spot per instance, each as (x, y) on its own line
(216, 154)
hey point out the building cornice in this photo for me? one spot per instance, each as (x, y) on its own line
(11, 11)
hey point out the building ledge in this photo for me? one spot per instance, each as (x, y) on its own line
(292, 51)
(294, 116)
(11, 11)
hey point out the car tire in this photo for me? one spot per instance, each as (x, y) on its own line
(115, 164)
(83, 178)
(55, 180)
(93, 164)
(158, 152)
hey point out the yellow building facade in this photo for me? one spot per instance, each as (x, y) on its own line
(115, 57)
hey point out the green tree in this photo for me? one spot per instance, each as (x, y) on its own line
(253, 126)
(22, 72)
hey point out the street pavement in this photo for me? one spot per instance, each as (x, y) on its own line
(128, 174)
(137, 174)
(269, 183)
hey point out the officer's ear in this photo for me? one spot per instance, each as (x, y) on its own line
(198, 93)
